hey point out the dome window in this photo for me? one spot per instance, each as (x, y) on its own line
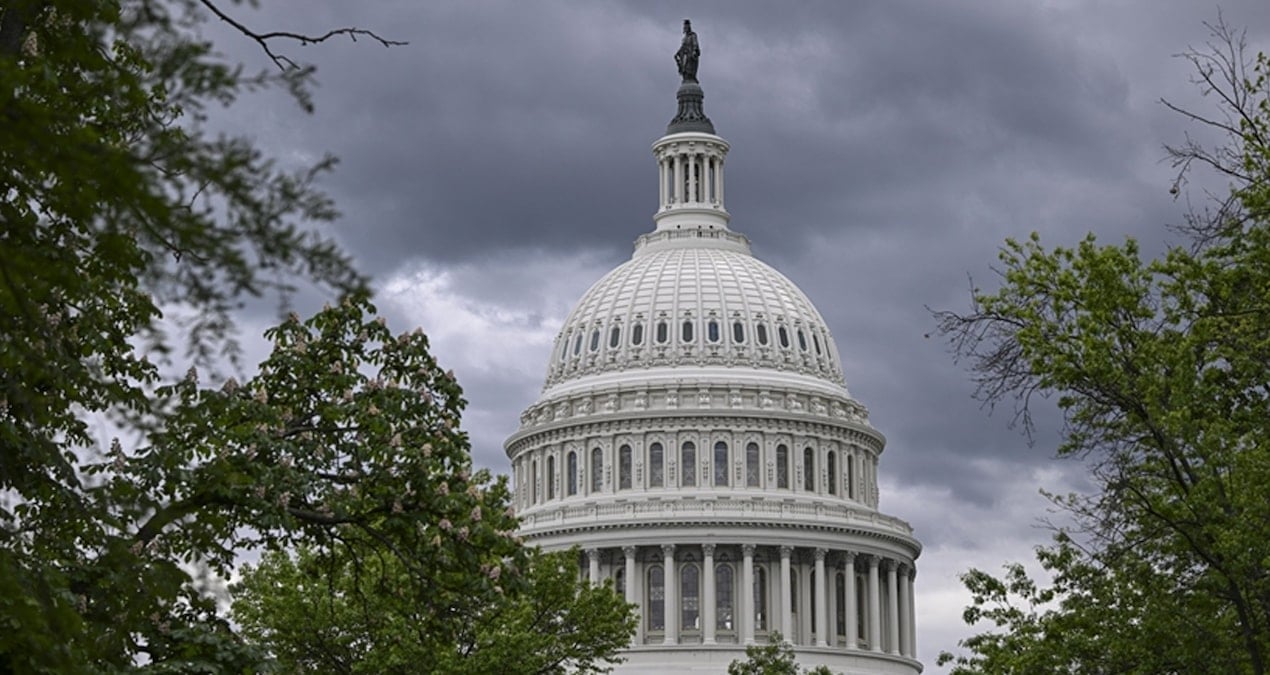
(802, 340)
(738, 332)
(752, 465)
(577, 344)
(780, 333)
(688, 460)
(637, 334)
(761, 331)
(782, 467)
(656, 462)
(663, 332)
(831, 466)
(809, 470)
(815, 340)
(571, 480)
(597, 469)
(564, 349)
(712, 331)
(721, 464)
(551, 476)
(615, 335)
(595, 339)
(624, 467)
(687, 331)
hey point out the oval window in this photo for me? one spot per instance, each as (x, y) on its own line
(761, 330)
(687, 333)
(615, 335)
(637, 334)
(815, 340)
(595, 339)
(802, 340)
(663, 333)
(712, 331)
(784, 336)
(577, 344)
(738, 332)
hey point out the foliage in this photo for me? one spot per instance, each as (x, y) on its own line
(328, 614)
(1161, 368)
(774, 658)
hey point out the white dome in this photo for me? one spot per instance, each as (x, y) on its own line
(699, 300)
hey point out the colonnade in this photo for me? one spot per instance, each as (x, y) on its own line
(692, 594)
(691, 177)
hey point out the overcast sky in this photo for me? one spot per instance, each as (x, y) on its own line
(499, 164)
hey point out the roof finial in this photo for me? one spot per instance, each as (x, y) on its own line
(691, 115)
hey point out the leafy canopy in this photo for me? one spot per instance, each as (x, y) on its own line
(1161, 367)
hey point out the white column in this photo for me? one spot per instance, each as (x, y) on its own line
(821, 600)
(875, 607)
(902, 591)
(593, 572)
(893, 609)
(708, 601)
(912, 612)
(661, 183)
(679, 179)
(671, 618)
(747, 593)
(632, 594)
(787, 615)
(848, 594)
(718, 176)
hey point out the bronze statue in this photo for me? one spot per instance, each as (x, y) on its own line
(689, 53)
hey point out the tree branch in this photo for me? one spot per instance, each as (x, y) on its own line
(282, 61)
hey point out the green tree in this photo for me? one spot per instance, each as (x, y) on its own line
(774, 658)
(1161, 368)
(323, 615)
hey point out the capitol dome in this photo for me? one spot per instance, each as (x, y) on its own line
(696, 440)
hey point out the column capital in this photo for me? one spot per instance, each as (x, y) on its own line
(628, 551)
(889, 564)
(707, 549)
(668, 550)
(848, 557)
(748, 549)
(592, 553)
(873, 561)
(820, 554)
(786, 551)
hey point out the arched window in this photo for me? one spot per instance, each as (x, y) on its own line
(656, 464)
(712, 331)
(577, 344)
(851, 476)
(637, 334)
(761, 331)
(780, 333)
(619, 581)
(687, 331)
(738, 332)
(688, 464)
(656, 600)
(760, 598)
(753, 466)
(615, 337)
(534, 486)
(690, 597)
(624, 468)
(809, 470)
(571, 468)
(815, 340)
(802, 340)
(564, 349)
(595, 339)
(597, 469)
(551, 477)
(663, 333)
(723, 597)
(831, 466)
(782, 467)
(721, 464)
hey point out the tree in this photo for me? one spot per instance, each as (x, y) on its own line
(117, 205)
(332, 616)
(1161, 369)
(774, 658)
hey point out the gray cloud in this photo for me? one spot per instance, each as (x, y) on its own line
(882, 151)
